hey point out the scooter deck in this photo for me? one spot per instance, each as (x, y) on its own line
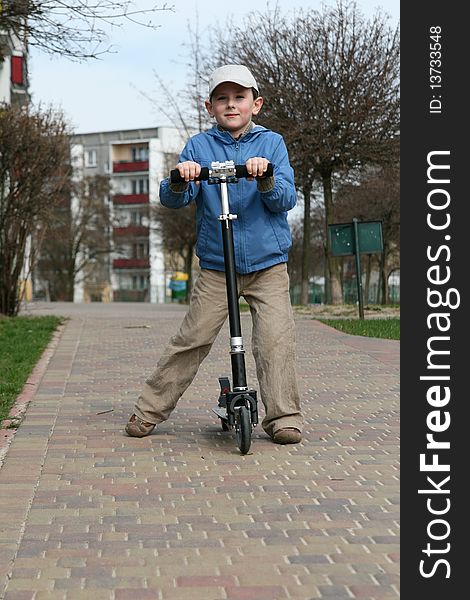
(221, 412)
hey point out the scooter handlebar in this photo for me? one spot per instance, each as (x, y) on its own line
(240, 171)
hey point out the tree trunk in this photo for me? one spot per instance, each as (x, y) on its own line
(70, 285)
(7, 299)
(326, 285)
(307, 190)
(379, 284)
(12, 264)
(367, 282)
(335, 294)
(382, 291)
(384, 276)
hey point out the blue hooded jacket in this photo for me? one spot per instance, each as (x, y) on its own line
(261, 232)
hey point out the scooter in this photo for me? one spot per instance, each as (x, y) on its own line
(237, 406)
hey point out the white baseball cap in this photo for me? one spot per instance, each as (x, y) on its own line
(233, 73)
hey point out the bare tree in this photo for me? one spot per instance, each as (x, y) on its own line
(34, 172)
(316, 244)
(77, 241)
(73, 28)
(377, 197)
(177, 228)
(178, 234)
(330, 81)
(185, 110)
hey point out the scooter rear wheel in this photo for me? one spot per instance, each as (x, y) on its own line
(243, 429)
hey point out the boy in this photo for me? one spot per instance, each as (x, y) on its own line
(262, 240)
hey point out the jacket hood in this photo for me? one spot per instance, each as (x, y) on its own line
(226, 138)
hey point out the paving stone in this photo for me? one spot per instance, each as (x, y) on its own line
(256, 592)
(181, 514)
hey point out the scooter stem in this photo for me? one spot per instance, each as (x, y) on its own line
(224, 198)
(237, 352)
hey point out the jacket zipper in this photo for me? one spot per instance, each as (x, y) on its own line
(241, 249)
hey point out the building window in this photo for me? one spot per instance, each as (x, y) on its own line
(136, 218)
(140, 153)
(140, 186)
(17, 70)
(139, 282)
(140, 250)
(90, 158)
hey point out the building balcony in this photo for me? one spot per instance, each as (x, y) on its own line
(131, 231)
(131, 199)
(130, 166)
(131, 263)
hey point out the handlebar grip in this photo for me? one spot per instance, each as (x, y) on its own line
(240, 171)
(175, 176)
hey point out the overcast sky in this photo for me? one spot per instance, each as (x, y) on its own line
(104, 95)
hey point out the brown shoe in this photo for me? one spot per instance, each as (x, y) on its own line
(138, 428)
(288, 435)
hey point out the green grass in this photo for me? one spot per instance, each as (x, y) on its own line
(22, 341)
(379, 328)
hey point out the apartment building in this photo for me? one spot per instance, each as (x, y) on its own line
(14, 90)
(136, 161)
(13, 68)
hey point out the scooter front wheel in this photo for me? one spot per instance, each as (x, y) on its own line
(243, 429)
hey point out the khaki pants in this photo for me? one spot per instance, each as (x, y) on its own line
(273, 346)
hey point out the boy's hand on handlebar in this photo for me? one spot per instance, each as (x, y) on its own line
(256, 167)
(189, 170)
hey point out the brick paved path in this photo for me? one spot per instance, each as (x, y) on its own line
(87, 512)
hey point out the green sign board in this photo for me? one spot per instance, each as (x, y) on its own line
(342, 238)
